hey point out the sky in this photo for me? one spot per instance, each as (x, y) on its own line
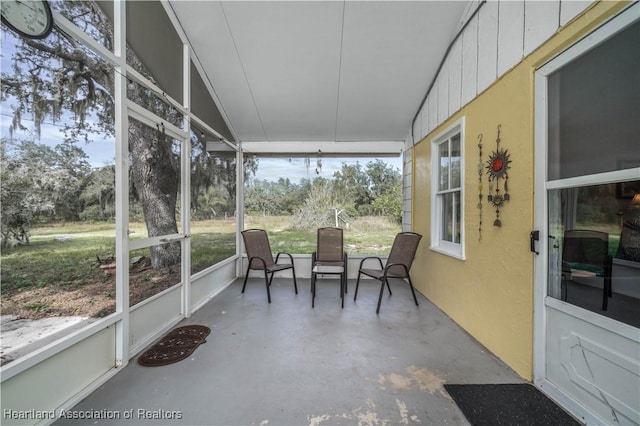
(102, 152)
(295, 168)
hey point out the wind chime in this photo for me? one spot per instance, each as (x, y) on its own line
(480, 175)
(497, 170)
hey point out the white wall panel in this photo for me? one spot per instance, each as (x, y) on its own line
(510, 34)
(424, 116)
(487, 44)
(406, 181)
(417, 127)
(406, 205)
(540, 23)
(49, 384)
(470, 61)
(443, 93)
(455, 76)
(203, 288)
(569, 9)
(151, 318)
(433, 108)
(407, 168)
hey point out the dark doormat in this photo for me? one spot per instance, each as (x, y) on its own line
(508, 404)
(175, 346)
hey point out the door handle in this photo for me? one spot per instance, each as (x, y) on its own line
(533, 237)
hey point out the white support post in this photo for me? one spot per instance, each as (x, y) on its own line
(122, 184)
(239, 207)
(186, 185)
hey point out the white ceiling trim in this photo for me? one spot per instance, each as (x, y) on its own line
(362, 148)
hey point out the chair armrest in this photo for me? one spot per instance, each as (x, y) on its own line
(370, 257)
(286, 254)
(386, 268)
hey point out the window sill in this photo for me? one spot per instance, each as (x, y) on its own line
(456, 254)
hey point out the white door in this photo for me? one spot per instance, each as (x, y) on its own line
(587, 212)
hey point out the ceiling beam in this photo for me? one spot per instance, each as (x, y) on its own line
(328, 148)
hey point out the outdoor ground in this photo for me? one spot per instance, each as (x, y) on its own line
(58, 283)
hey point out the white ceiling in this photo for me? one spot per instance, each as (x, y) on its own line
(320, 70)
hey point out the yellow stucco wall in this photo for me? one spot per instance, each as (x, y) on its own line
(490, 293)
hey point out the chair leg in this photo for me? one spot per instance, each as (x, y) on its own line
(313, 289)
(381, 292)
(245, 279)
(389, 287)
(355, 295)
(295, 283)
(343, 283)
(415, 299)
(346, 282)
(268, 283)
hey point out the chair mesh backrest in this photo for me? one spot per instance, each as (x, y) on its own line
(403, 251)
(586, 247)
(330, 245)
(256, 243)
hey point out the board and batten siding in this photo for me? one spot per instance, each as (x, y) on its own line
(494, 40)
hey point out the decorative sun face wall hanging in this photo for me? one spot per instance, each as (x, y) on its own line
(497, 171)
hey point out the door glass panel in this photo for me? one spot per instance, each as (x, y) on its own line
(593, 107)
(594, 248)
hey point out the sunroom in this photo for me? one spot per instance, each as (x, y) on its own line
(151, 133)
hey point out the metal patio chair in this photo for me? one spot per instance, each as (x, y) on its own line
(329, 258)
(398, 264)
(260, 257)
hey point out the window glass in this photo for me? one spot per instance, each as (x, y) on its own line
(594, 105)
(444, 166)
(213, 201)
(292, 197)
(57, 187)
(455, 161)
(594, 245)
(448, 225)
(446, 228)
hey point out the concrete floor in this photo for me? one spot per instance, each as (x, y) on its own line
(285, 363)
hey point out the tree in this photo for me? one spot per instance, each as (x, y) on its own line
(319, 206)
(384, 178)
(57, 79)
(33, 182)
(390, 204)
(98, 196)
(353, 182)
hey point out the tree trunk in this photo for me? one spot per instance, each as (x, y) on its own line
(155, 178)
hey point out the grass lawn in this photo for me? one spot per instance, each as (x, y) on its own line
(59, 274)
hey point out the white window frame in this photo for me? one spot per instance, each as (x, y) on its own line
(438, 244)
